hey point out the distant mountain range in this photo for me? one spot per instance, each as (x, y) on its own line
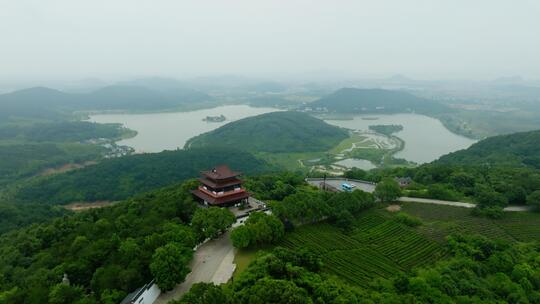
(274, 132)
(153, 94)
(518, 149)
(352, 100)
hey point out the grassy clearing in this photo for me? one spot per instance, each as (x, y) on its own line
(290, 161)
(354, 139)
(242, 258)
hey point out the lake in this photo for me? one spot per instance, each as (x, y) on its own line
(426, 138)
(169, 131)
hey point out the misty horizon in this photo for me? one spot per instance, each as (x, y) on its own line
(278, 40)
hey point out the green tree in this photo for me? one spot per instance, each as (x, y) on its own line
(63, 293)
(344, 219)
(129, 250)
(179, 234)
(259, 228)
(169, 265)
(387, 190)
(112, 296)
(205, 293)
(211, 222)
(355, 173)
(241, 237)
(487, 197)
(269, 290)
(534, 199)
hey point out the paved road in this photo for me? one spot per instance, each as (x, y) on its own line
(435, 202)
(369, 187)
(336, 183)
(212, 262)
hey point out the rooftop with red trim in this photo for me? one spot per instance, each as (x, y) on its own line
(220, 172)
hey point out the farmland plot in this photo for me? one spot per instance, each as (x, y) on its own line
(377, 247)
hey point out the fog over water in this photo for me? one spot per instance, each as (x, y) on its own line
(122, 38)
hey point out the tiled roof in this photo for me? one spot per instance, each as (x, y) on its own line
(220, 172)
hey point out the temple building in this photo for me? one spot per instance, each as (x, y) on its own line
(220, 187)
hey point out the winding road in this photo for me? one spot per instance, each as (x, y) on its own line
(370, 187)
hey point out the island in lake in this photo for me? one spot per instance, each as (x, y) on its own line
(220, 118)
(386, 129)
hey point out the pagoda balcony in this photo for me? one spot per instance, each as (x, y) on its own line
(221, 193)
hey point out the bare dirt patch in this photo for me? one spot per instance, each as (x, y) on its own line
(393, 208)
(81, 206)
(66, 168)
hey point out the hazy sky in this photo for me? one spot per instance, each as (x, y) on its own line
(479, 39)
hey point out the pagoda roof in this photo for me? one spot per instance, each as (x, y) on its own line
(222, 199)
(220, 172)
(214, 185)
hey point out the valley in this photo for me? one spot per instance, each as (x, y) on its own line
(135, 187)
(422, 139)
(269, 152)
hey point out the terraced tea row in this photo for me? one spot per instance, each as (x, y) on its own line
(440, 221)
(378, 247)
(399, 243)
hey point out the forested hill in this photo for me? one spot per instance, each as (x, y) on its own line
(36, 102)
(354, 100)
(120, 178)
(274, 132)
(521, 149)
(48, 103)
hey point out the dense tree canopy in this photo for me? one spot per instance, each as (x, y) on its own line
(517, 149)
(259, 228)
(309, 206)
(387, 190)
(274, 132)
(169, 265)
(18, 161)
(211, 222)
(19, 215)
(534, 199)
(107, 252)
(62, 131)
(120, 178)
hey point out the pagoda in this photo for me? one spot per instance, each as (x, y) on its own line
(220, 187)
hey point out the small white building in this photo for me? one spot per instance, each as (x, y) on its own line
(144, 295)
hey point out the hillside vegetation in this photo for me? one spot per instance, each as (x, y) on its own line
(25, 160)
(61, 131)
(479, 271)
(46, 103)
(521, 149)
(351, 100)
(120, 178)
(106, 253)
(274, 132)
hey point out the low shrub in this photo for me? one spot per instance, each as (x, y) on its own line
(408, 220)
